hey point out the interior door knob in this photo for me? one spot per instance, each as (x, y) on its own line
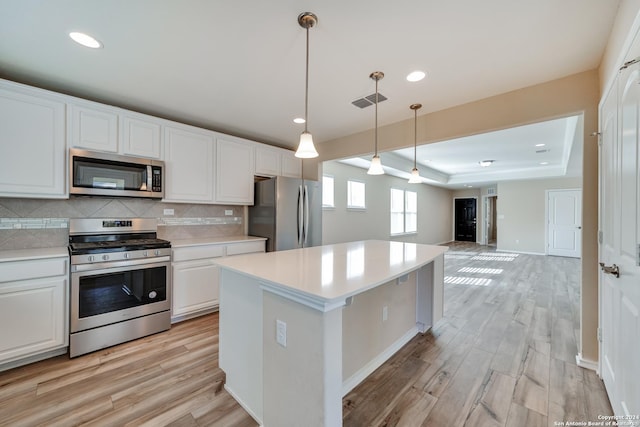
(613, 269)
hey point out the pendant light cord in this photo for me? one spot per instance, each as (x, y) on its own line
(415, 137)
(376, 122)
(306, 86)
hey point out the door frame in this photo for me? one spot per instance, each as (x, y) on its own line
(546, 216)
(484, 235)
(453, 222)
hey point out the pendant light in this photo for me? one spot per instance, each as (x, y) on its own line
(415, 174)
(376, 165)
(306, 149)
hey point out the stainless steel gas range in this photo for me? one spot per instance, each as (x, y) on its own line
(120, 282)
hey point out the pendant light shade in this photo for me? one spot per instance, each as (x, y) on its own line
(376, 164)
(415, 174)
(306, 149)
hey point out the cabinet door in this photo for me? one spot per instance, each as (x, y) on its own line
(94, 127)
(188, 157)
(32, 144)
(267, 161)
(34, 315)
(291, 165)
(140, 136)
(195, 287)
(234, 172)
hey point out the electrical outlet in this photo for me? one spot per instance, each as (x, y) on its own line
(385, 313)
(228, 212)
(168, 212)
(281, 332)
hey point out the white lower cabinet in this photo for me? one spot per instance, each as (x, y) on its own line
(195, 288)
(195, 276)
(33, 308)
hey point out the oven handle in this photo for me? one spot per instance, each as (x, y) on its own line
(115, 264)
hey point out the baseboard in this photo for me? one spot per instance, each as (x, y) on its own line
(520, 252)
(32, 359)
(241, 403)
(587, 364)
(377, 361)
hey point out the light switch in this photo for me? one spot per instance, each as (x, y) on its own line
(281, 332)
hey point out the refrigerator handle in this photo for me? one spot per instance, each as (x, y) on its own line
(300, 216)
(305, 228)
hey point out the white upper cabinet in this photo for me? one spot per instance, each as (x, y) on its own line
(32, 143)
(273, 161)
(188, 157)
(291, 165)
(268, 160)
(140, 136)
(93, 126)
(100, 127)
(234, 171)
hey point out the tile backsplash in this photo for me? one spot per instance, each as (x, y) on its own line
(41, 223)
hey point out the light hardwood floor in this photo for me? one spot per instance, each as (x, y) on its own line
(504, 355)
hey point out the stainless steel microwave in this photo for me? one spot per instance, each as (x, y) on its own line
(103, 174)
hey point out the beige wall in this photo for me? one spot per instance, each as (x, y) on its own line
(342, 225)
(571, 95)
(521, 213)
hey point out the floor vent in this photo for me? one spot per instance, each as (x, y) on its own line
(368, 100)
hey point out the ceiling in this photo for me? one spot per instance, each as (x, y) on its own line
(547, 149)
(238, 67)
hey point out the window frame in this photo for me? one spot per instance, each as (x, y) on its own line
(333, 192)
(364, 195)
(404, 212)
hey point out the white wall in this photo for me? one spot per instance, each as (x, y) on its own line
(521, 213)
(341, 225)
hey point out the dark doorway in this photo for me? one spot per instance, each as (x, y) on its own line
(492, 221)
(465, 220)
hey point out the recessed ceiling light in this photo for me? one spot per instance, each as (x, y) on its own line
(485, 163)
(298, 120)
(544, 163)
(416, 76)
(85, 40)
(540, 145)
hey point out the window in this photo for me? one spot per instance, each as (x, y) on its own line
(404, 211)
(355, 195)
(327, 191)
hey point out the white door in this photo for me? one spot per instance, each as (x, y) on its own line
(564, 219)
(620, 244)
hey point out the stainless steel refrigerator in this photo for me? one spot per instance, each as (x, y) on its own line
(288, 212)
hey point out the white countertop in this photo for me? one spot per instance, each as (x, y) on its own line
(334, 272)
(40, 253)
(201, 241)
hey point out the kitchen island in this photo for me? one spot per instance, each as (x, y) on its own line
(300, 328)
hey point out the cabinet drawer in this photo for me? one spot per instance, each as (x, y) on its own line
(245, 247)
(197, 252)
(32, 269)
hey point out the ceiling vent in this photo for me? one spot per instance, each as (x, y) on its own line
(368, 100)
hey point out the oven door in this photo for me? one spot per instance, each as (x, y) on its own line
(107, 295)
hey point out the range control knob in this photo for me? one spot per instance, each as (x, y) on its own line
(91, 258)
(157, 252)
(127, 255)
(105, 257)
(145, 253)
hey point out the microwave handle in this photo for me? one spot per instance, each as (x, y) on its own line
(149, 178)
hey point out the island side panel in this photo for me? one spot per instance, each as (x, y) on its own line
(430, 294)
(302, 381)
(240, 342)
(376, 325)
